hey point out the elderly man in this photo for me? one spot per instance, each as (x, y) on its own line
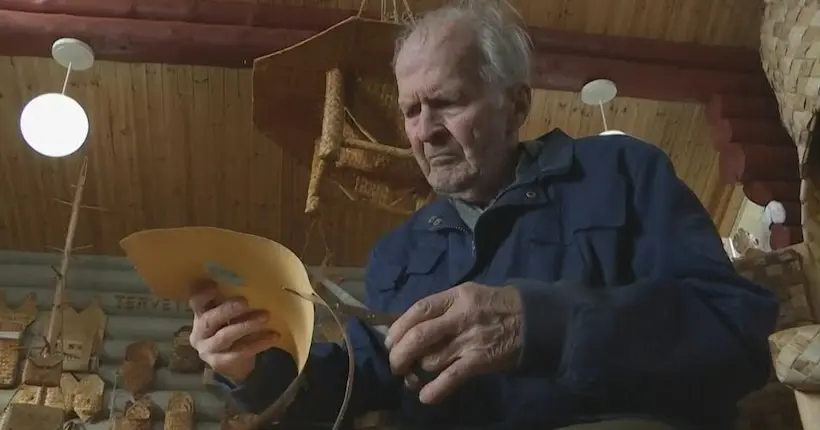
(558, 282)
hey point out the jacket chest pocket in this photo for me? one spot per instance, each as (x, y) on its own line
(398, 286)
(579, 237)
(545, 251)
(595, 230)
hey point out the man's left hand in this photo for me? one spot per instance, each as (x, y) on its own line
(465, 331)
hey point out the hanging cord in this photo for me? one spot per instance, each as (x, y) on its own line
(512, 9)
(111, 403)
(385, 15)
(603, 115)
(67, 74)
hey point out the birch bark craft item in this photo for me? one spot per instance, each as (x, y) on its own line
(87, 401)
(13, 322)
(81, 336)
(184, 358)
(340, 117)
(83, 398)
(264, 272)
(137, 370)
(137, 415)
(796, 354)
(179, 415)
(31, 417)
(790, 51)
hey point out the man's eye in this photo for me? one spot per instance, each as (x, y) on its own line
(409, 112)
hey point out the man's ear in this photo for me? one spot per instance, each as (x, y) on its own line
(520, 98)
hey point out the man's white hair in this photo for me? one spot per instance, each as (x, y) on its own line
(505, 48)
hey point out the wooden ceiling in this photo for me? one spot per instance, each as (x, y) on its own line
(174, 145)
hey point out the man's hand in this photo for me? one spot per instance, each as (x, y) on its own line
(465, 331)
(227, 333)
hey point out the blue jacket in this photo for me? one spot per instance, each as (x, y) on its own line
(631, 306)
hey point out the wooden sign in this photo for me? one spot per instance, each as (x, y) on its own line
(13, 323)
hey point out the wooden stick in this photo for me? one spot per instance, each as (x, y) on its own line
(58, 303)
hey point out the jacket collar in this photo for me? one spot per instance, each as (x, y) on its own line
(547, 156)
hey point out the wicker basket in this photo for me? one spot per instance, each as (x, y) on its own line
(790, 52)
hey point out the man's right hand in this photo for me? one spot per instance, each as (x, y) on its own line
(227, 333)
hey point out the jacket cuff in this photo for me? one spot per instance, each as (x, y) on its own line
(547, 311)
(273, 372)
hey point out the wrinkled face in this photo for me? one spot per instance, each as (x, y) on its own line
(460, 134)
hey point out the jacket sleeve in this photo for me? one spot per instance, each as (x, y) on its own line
(374, 389)
(689, 330)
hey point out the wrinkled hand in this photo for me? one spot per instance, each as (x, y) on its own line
(227, 333)
(465, 331)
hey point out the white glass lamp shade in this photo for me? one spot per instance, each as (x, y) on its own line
(54, 125)
(612, 133)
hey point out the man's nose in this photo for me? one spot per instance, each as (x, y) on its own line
(430, 127)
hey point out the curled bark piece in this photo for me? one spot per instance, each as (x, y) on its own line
(137, 371)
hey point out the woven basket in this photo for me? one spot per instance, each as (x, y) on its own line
(9, 362)
(790, 52)
(782, 272)
(331, 102)
(43, 370)
(796, 358)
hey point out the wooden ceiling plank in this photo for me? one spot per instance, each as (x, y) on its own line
(101, 188)
(642, 67)
(33, 199)
(14, 221)
(203, 205)
(128, 165)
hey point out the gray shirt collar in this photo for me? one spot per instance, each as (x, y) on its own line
(469, 213)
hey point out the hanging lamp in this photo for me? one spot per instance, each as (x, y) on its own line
(54, 124)
(598, 93)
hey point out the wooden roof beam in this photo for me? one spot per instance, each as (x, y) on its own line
(232, 34)
(756, 151)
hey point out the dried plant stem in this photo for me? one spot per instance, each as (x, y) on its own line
(59, 291)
